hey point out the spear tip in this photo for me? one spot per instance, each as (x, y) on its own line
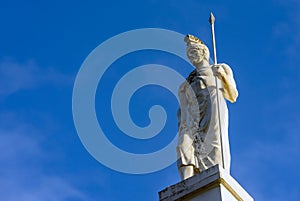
(211, 18)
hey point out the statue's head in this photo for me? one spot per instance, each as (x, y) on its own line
(196, 50)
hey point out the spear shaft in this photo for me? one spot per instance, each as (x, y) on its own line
(212, 22)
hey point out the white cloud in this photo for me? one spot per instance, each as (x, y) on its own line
(15, 76)
(268, 167)
(37, 188)
(288, 29)
(22, 169)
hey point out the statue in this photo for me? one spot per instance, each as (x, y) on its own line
(203, 114)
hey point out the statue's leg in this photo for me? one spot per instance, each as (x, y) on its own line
(186, 171)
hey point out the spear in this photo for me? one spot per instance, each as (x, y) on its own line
(212, 22)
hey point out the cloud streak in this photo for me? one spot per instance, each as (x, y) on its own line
(15, 76)
(268, 165)
(289, 30)
(22, 167)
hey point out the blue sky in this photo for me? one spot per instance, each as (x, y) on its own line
(44, 43)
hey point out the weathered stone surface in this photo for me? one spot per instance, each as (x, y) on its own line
(203, 114)
(213, 184)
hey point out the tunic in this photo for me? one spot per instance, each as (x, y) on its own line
(199, 130)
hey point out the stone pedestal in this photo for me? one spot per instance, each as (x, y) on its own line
(214, 184)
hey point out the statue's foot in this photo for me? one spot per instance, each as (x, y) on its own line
(186, 171)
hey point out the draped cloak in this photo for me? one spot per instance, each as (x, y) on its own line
(199, 130)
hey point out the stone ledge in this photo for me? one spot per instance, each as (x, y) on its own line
(214, 178)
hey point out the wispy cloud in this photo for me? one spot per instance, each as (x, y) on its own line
(268, 170)
(288, 29)
(37, 188)
(268, 165)
(15, 76)
(22, 169)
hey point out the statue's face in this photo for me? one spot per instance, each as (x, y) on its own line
(196, 54)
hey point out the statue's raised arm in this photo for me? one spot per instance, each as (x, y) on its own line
(224, 73)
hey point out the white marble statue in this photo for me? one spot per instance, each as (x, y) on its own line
(199, 145)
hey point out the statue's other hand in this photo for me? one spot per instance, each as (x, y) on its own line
(219, 71)
(224, 73)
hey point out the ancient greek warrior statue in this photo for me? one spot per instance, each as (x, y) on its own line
(203, 116)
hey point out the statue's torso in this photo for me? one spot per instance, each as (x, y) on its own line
(199, 118)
